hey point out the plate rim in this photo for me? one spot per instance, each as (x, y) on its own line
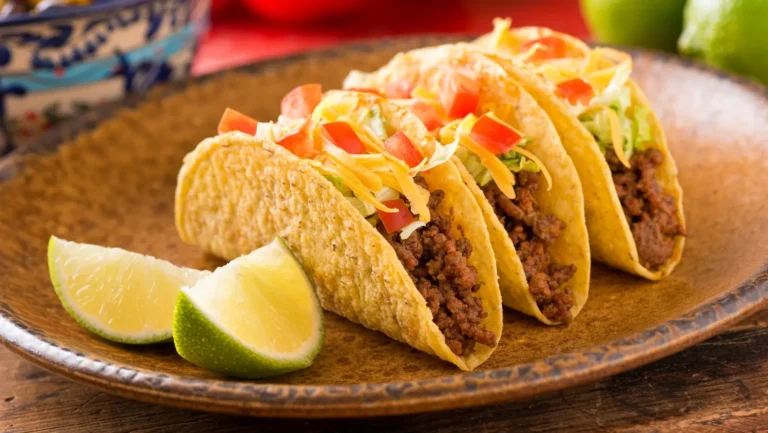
(399, 397)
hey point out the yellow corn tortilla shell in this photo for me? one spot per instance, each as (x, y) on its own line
(610, 235)
(235, 193)
(426, 67)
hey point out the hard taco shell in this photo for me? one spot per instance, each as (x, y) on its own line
(610, 235)
(236, 193)
(426, 67)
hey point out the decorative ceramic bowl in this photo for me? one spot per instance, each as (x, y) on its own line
(56, 64)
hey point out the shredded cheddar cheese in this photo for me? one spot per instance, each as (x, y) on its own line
(352, 182)
(616, 138)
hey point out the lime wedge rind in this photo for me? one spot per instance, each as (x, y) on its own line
(231, 357)
(201, 340)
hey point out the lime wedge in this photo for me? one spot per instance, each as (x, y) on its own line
(119, 295)
(258, 316)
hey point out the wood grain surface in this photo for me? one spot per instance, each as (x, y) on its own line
(720, 385)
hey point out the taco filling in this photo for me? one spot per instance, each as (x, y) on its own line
(532, 232)
(652, 214)
(376, 169)
(495, 154)
(595, 88)
(436, 260)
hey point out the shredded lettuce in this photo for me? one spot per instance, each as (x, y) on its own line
(339, 184)
(517, 162)
(373, 219)
(408, 230)
(635, 130)
(616, 91)
(474, 166)
(642, 125)
(375, 121)
(364, 208)
(442, 154)
(387, 193)
(599, 127)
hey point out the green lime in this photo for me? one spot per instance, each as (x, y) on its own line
(119, 295)
(652, 24)
(258, 316)
(728, 34)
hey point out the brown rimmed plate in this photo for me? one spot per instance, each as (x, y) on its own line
(113, 185)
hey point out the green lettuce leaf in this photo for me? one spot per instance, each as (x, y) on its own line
(375, 121)
(643, 130)
(339, 184)
(442, 154)
(517, 162)
(635, 130)
(473, 165)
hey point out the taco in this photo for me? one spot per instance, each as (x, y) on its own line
(512, 161)
(633, 199)
(372, 206)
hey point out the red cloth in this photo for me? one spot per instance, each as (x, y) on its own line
(238, 37)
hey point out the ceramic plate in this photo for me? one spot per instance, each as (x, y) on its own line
(113, 185)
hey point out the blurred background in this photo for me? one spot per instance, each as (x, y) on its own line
(246, 30)
(61, 58)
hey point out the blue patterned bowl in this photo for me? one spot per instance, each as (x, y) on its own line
(56, 64)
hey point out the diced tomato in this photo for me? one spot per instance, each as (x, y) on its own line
(399, 146)
(552, 47)
(299, 102)
(233, 120)
(496, 136)
(427, 113)
(575, 91)
(460, 94)
(395, 221)
(344, 136)
(298, 143)
(400, 89)
(365, 90)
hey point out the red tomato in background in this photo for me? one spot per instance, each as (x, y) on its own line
(575, 91)
(459, 94)
(299, 102)
(364, 90)
(552, 47)
(301, 10)
(427, 113)
(400, 89)
(233, 120)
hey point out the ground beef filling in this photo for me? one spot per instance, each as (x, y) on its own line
(533, 232)
(651, 213)
(436, 261)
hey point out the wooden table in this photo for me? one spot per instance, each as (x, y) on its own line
(720, 385)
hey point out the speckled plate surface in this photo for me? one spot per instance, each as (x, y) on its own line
(114, 186)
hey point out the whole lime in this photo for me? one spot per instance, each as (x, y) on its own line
(652, 24)
(728, 34)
